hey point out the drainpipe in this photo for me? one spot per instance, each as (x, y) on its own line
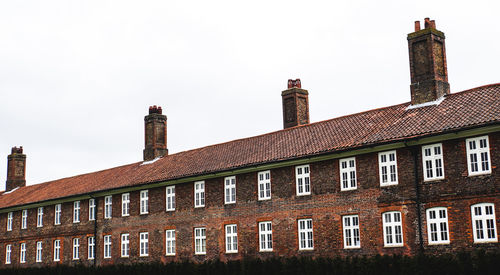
(414, 152)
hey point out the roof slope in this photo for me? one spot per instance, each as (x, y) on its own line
(475, 107)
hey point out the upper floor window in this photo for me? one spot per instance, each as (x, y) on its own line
(265, 236)
(478, 155)
(170, 201)
(125, 204)
(108, 203)
(76, 211)
(107, 246)
(351, 231)
(305, 234)
(143, 244)
(91, 248)
(8, 251)
(22, 253)
(231, 238)
(347, 174)
(388, 168)
(9, 221)
(38, 257)
(393, 229)
(199, 194)
(144, 201)
(264, 185)
(91, 209)
(303, 182)
(170, 242)
(125, 251)
(57, 250)
(57, 214)
(484, 222)
(24, 219)
(230, 190)
(76, 249)
(200, 241)
(39, 217)
(432, 160)
(437, 226)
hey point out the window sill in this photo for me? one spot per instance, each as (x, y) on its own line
(485, 241)
(303, 194)
(479, 174)
(388, 184)
(353, 247)
(393, 246)
(170, 255)
(433, 180)
(438, 243)
(266, 250)
(231, 252)
(263, 199)
(348, 189)
(306, 249)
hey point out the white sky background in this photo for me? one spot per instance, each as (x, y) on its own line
(77, 77)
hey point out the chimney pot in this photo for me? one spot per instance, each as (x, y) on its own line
(417, 26)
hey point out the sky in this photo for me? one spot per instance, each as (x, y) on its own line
(78, 77)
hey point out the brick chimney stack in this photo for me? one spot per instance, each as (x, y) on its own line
(295, 104)
(155, 133)
(16, 169)
(429, 74)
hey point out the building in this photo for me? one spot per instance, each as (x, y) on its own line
(418, 176)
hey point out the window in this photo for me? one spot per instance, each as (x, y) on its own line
(24, 219)
(478, 155)
(432, 161)
(57, 250)
(76, 249)
(107, 246)
(393, 230)
(76, 212)
(348, 174)
(231, 238)
(9, 221)
(57, 214)
(39, 217)
(38, 258)
(144, 244)
(170, 198)
(200, 245)
(199, 194)
(170, 242)
(144, 201)
(22, 253)
(388, 168)
(351, 231)
(108, 202)
(265, 236)
(91, 209)
(484, 222)
(91, 248)
(305, 234)
(264, 183)
(125, 245)
(125, 204)
(230, 190)
(303, 182)
(437, 226)
(8, 251)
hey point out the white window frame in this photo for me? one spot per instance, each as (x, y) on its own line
(22, 253)
(107, 247)
(39, 217)
(199, 194)
(231, 238)
(39, 247)
(57, 214)
(10, 217)
(108, 207)
(484, 225)
(386, 165)
(303, 180)
(391, 228)
(92, 209)
(144, 202)
(437, 226)
(347, 168)
(8, 254)
(351, 232)
(478, 157)
(143, 244)
(170, 198)
(24, 219)
(91, 247)
(125, 245)
(264, 185)
(57, 250)
(170, 242)
(125, 204)
(432, 162)
(76, 248)
(76, 212)
(200, 241)
(230, 190)
(306, 237)
(265, 236)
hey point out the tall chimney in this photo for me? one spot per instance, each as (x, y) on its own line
(295, 105)
(16, 169)
(155, 133)
(429, 75)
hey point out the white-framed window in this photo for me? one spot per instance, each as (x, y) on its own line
(76, 212)
(91, 209)
(144, 201)
(388, 168)
(24, 219)
(264, 185)
(143, 244)
(230, 190)
(57, 250)
(125, 245)
(265, 236)
(306, 241)
(8, 252)
(91, 248)
(478, 155)
(348, 174)
(9, 221)
(170, 198)
(393, 229)
(39, 217)
(200, 241)
(231, 238)
(125, 204)
(57, 214)
(303, 180)
(38, 257)
(351, 231)
(107, 247)
(22, 253)
(437, 225)
(170, 242)
(432, 162)
(484, 222)
(76, 248)
(199, 194)
(108, 207)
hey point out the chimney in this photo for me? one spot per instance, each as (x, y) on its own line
(16, 169)
(295, 105)
(155, 133)
(429, 75)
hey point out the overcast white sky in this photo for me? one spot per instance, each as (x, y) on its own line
(77, 77)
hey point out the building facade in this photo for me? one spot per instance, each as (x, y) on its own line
(416, 177)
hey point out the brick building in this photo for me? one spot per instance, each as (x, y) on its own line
(418, 176)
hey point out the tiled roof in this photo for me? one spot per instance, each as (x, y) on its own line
(467, 109)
